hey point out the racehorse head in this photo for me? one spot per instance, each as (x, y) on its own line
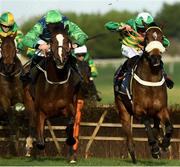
(153, 45)
(60, 44)
(8, 53)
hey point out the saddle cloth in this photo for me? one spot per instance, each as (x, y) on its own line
(123, 86)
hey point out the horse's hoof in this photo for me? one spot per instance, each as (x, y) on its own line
(28, 155)
(70, 141)
(156, 156)
(165, 144)
(19, 107)
(72, 161)
(132, 154)
(40, 146)
(155, 152)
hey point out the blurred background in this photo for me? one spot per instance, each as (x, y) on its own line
(91, 15)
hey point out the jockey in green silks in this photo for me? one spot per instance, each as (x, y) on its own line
(37, 38)
(8, 27)
(82, 54)
(132, 36)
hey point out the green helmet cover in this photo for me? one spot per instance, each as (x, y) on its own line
(144, 16)
(53, 16)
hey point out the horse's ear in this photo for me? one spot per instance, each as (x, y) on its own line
(161, 26)
(66, 28)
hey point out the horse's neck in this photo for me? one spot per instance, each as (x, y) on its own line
(148, 73)
(54, 73)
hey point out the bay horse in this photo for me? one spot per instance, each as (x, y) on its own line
(11, 89)
(147, 99)
(55, 89)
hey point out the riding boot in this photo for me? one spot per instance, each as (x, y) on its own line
(168, 80)
(94, 90)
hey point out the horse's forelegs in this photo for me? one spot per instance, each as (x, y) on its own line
(164, 117)
(151, 138)
(40, 130)
(126, 126)
(156, 128)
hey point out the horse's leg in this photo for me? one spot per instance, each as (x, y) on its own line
(29, 105)
(151, 138)
(156, 129)
(80, 104)
(70, 141)
(41, 117)
(8, 111)
(126, 126)
(164, 117)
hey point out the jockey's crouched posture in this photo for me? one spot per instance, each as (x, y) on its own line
(132, 36)
(82, 54)
(37, 38)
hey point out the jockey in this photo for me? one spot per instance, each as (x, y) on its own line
(38, 37)
(82, 54)
(132, 36)
(8, 27)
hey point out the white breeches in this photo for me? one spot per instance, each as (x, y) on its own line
(130, 52)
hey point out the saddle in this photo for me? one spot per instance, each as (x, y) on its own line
(122, 84)
(123, 77)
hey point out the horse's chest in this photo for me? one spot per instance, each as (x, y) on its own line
(149, 99)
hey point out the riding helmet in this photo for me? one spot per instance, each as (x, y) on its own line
(7, 19)
(144, 16)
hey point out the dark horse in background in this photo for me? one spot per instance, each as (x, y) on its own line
(55, 89)
(147, 98)
(83, 98)
(11, 89)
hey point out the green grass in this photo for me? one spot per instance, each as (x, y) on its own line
(84, 162)
(104, 84)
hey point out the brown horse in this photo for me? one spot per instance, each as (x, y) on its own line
(11, 90)
(55, 88)
(147, 99)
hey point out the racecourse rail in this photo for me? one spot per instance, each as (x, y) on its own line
(94, 136)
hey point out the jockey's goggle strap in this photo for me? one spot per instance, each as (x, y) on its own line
(5, 26)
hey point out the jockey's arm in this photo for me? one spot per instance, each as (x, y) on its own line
(31, 38)
(77, 35)
(19, 38)
(120, 27)
(112, 26)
